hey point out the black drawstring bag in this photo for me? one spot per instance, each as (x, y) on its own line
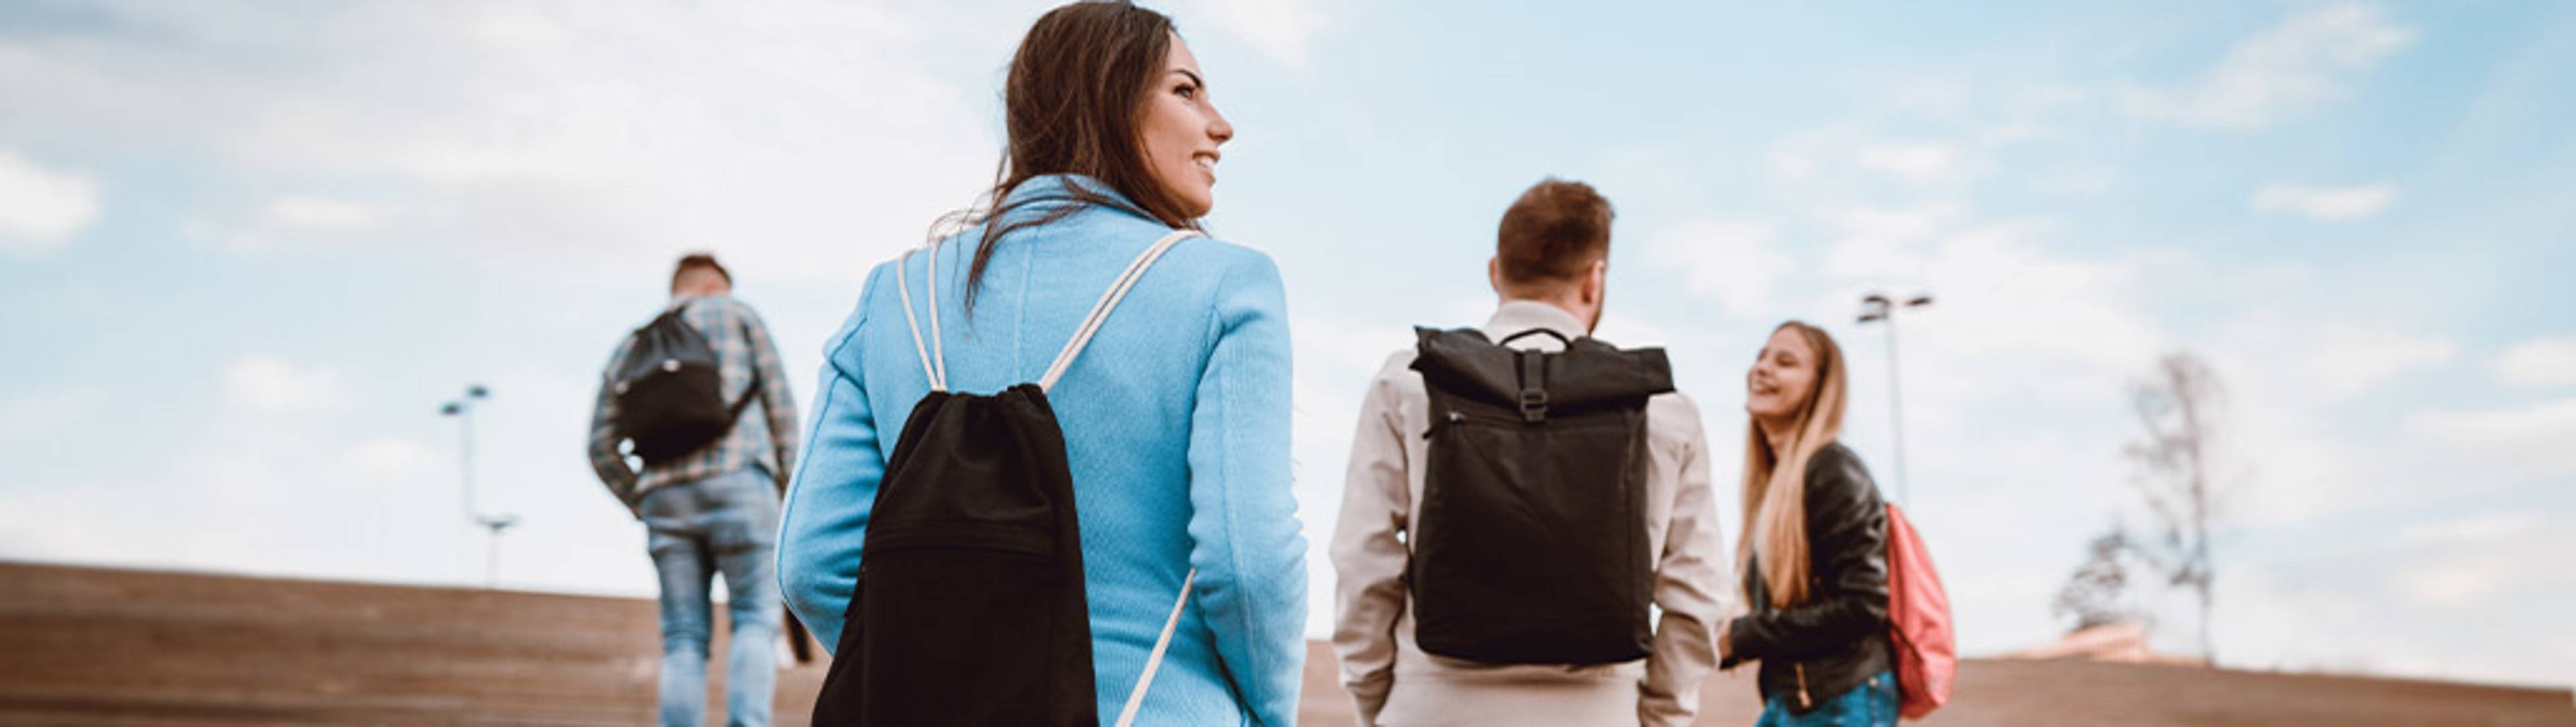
(969, 608)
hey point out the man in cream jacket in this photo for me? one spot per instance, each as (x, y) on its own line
(1548, 270)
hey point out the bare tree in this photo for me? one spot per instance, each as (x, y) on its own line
(2093, 594)
(2177, 411)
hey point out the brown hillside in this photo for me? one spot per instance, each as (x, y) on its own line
(91, 646)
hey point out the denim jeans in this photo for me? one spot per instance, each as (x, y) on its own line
(726, 524)
(1871, 703)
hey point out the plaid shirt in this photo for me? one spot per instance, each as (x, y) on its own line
(741, 343)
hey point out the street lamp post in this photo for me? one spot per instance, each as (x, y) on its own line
(463, 409)
(1879, 308)
(492, 547)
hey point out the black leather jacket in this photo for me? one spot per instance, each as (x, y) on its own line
(1838, 639)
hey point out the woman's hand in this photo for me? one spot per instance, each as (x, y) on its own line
(1725, 650)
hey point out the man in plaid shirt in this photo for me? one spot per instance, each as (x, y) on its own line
(714, 510)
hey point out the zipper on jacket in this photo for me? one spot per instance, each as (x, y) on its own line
(1803, 701)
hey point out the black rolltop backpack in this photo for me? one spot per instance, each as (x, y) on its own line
(670, 396)
(1530, 547)
(969, 608)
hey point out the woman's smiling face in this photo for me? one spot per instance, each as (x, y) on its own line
(1783, 377)
(1181, 132)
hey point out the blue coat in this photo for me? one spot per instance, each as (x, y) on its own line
(1176, 424)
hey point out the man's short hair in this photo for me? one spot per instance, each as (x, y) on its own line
(1553, 233)
(698, 260)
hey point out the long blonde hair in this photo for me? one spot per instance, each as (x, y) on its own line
(1775, 487)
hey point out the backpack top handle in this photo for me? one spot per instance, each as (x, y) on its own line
(1551, 333)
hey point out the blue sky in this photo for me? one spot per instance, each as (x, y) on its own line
(255, 245)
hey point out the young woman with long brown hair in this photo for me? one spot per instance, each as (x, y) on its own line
(1814, 547)
(1174, 417)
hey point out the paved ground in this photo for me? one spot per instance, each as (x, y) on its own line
(88, 646)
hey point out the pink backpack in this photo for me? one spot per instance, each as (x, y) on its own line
(1918, 617)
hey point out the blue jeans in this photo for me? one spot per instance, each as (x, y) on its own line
(1870, 704)
(727, 523)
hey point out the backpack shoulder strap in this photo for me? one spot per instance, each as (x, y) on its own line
(1108, 302)
(934, 363)
(1082, 337)
(750, 392)
(1136, 697)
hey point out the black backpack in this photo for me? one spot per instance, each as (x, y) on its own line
(969, 608)
(670, 396)
(1530, 547)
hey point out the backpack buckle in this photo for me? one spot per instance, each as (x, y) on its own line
(1533, 370)
(1534, 405)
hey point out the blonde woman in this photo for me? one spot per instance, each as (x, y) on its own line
(1814, 549)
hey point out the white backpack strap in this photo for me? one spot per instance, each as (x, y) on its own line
(933, 365)
(1100, 311)
(1136, 697)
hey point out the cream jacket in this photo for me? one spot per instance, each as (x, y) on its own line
(1395, 683)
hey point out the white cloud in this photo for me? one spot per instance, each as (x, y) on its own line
(363, 494)
(2343, 359)
(2307, 60)
(2531, 440)
(2301, 612)
(1284, 30)
(41, 209)
(1732, 261)
(1914, 161)
(321, 214)
(529, 130)
(387, 458)
(2289, 455)
(1344, 348)
(2015, 131)
(2011, 319)
(2543, 361)
(2326, 203)
(2452, 585)
(272, 384)
(2481, 529)
(289, 220)
(47, 412)
(1936, 97)
(1846, 158)
(1633, 332)
(1886, 242)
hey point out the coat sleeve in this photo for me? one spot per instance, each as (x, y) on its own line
(777, 400)
(1691, 590)
(826, 514)
(605, 459)
(1245, 538)
(1368, 552)
(1847, 527)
